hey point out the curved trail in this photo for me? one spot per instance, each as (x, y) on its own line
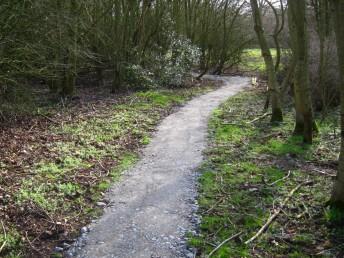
(153, 205)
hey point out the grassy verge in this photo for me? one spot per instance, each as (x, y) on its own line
(253, 62)
(54, 172)
(251, 167)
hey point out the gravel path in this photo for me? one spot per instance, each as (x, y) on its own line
(153, 205)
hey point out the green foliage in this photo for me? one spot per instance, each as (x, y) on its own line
(63, 165)
(249, 170)
(36, 193)
(162, 99)
(69, 189)
(90, 154)
(13, 244)
(104, 185)
(132, 44)
(127, 160)
(145, 140)
(252, 60)
(335, 215)
(230, 133)
(293, 145)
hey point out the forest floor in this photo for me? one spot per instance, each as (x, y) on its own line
(56, 166)
(152, 206)
(251, 167)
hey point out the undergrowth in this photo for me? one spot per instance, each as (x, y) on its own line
(250, 169)
(55, 183)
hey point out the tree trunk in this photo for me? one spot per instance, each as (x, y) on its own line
(322, 19)
(100, 76)
(277, 115)
(338, 9)
(68, 86)
(302, 96)
(117, 79)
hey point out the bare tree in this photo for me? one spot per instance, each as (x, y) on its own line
(302, 93)
(338, 11)
(273, 85)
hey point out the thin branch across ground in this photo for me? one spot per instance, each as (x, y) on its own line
(255, 181)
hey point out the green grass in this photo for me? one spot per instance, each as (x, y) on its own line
(252, 60)
(241, 183)
(12, 243)
(159, 99)
(92, 151)
(127, 160)
(92, 140)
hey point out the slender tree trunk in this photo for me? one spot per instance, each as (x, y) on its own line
(117, 79)
(302, 96)
(321, 13)
(277, 115)
(68, 87)
(322, 72)
(68, 78)
(338, 11)
(100, 76)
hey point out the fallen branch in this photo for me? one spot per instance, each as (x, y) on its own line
(2, 116)
(324, 173)
(276, 213)
(259, 118)
(30, 243)
(234, 124)
(5, 237)
(212, 207)
(219, 246)
(281, 179)
(50, 119)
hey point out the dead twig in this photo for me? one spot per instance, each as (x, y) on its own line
(276, 213)
(212, 207)
(235, 124)
(51, 120)
(5, 237)
(281, 179)
(259, 118)
(323, 173)
(219, 246)
(32, 246)
(132, 100)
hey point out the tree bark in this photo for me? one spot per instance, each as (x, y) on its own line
(338, 11)
(116, 79)
(322, 20)
(302, 96)
(277, 115)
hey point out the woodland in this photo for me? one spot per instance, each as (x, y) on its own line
(84, 85)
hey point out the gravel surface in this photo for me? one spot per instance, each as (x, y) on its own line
(153, 206)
